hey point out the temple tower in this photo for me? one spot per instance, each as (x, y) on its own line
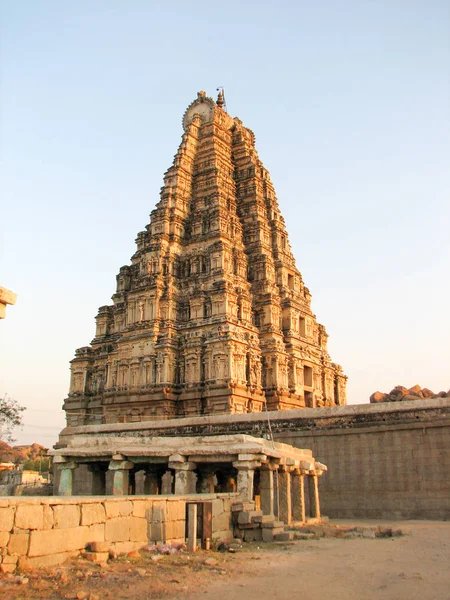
(212, 316)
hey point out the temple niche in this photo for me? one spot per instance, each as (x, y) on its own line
(212, 315)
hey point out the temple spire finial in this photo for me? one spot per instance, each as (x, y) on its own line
(221, 98)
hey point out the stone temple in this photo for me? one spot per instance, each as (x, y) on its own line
(212, 316)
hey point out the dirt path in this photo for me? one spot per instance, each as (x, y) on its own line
(414, 566)
(410, 567)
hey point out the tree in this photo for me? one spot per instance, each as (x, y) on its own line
(10, 417)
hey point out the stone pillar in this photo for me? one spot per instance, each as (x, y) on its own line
(121, 470)
(167, 483)
(246, 471)
(314, 496)
(284, 487)
(276, 493)
(298, 496)
(65, 487)
(151, 483)
(185, 478)
(266, 489)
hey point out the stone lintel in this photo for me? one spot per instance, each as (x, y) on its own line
(177, 458)
(246, 457)
(67, 465)
(182, 466)
(118, 456)
(287, 468)
(120, 465)
(246, 464)
(307, 466)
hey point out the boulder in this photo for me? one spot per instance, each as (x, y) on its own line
(377, 397)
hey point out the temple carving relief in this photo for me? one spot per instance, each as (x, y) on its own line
(212, 315)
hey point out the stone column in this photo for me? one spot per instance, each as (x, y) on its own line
(121, 470)
(65, 487)
(166, 483)
(185, 478)
(314, 496)
(276, 492)
(298, 496)
(246, 471)
(267, 489)
(150, 483)
(284, 487)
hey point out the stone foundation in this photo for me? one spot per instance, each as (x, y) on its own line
(40, 532)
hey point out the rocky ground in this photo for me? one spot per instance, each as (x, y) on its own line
(364, 560)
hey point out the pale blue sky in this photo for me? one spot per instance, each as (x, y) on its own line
(349, 101)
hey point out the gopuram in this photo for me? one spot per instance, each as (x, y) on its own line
(211, 319)
(212, 316)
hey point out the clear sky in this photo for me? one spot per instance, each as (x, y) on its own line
(349, 101)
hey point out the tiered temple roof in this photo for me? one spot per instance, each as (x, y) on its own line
(212, 316)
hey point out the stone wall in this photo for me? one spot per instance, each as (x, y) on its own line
(36, 532)
(387, 460)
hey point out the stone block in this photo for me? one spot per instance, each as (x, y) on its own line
(96, 533)
(247, 516)
(99, 546)
(221, 522)
(10, 560)
(159, 512)
(55, 541)
(48, 517)
(175, 530)
(6, 519)
(29, 517)
(7, 568)
(26, 563)
(97, 557)
(118, 529)
(92, 514)
(175, 510)
(127, 547)
(4, 539)
(138, 529)
(18, 543)
(120, 508)
(142, 509)
(253, 535)
(157, 531)
(66, 516)
(284, 536)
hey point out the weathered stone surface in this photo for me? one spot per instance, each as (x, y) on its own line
(117, 529)
(18, 543)
(97, 557)
(378, 397)
(4, 539)
(26, 563)
(29, 517)
(53, 541)
(220, 244)
(138, 529)
(121, 508)
(48, 517)
(6, 519)
(66, 516)
(92, 513)
(99, 546)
